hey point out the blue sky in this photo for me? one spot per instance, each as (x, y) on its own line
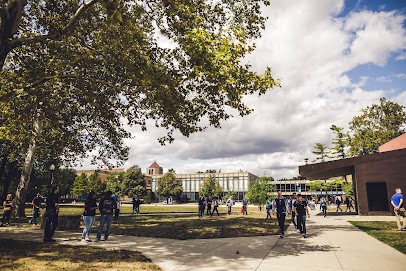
(333, 57)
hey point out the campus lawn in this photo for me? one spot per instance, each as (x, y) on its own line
(385, 232)
(25, 255)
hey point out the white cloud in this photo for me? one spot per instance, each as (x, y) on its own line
(312, 51)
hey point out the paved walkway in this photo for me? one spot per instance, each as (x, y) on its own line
(332, 244)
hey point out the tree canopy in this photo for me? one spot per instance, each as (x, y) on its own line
(322, 152)
(211, 187)
(133, 184)
(169, 186)
(73, 72)
(378, 124)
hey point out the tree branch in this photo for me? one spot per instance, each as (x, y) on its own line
(55, 36)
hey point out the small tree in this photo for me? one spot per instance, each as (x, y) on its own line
(95, 183)
(133, 184)
(321, 151)
(339, 143)
(259, 190)
(211, 187)
(169, 185)
(231, 193)
(80, 185)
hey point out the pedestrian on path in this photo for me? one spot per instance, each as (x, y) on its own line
(117, 210)
(229, 204)
(209, 202)
(7, 208)
(397, 203)
(215, 206)
(300, 208)
(106, 206)
(348, 202)
(51, 214)
(323, 205)
(36, 205)
(244, 206)
(136, 205)
(291, 202)
(89, 216)
(338, 202)
(281, 207)
(268, 206)
(200, 205)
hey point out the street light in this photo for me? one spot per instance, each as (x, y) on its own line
(52, 168)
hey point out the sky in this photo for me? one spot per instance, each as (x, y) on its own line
(333, 57)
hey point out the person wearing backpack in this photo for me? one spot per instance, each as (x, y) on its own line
(106, 206)
(323, 205)
(291, 202)
(215, 206)
(268, 206)
(209, 202)
(89, 215)
(281, 207)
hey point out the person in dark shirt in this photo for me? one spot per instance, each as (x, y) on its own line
(136, 205)
(209, 203)
(106, 206)
(281, 207)
(89, 216)
(200, 204)
(7, 208)
(244, 206)
(215, 206)
(51, 214)
(300, 208)
(338, 202)
(36, 205)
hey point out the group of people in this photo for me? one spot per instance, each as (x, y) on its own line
(207, 204)
(296, 206)
(348, 202)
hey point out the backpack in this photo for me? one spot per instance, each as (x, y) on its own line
(280, 205)
(107, 206)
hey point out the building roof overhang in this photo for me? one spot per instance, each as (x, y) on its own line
(346, 166)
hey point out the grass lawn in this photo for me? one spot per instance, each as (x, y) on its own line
(187, 226)
(144, 209)
(24, 255)
(385, 232)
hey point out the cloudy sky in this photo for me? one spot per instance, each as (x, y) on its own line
(334, 57)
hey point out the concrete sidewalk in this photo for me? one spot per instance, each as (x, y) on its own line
(332, 244)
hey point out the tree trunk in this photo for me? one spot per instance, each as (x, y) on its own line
(22, 187)
(6, 181)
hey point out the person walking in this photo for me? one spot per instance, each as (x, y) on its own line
(7, 209)
(348, 203)
(291, 202)
(397, 203)
(89, 216)
(36, 205)
(300, 209)
(200, 205)
(51, 214)
(215, 206)
(117, 210)
(338, 202)
(229, 204)
(281, 207)
(106, 206)
(244, 206)
(323, 205)
(268, 205)
(209, 202)
(136, 205)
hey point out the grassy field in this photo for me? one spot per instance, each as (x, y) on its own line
(24, 255)
(385, 232)
(144, 209)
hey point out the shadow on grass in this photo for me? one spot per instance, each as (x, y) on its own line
(27, 255)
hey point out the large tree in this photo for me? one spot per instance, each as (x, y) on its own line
(71, 71)
(95, 183)
(169, 186)
(378, 124)
(80, 185)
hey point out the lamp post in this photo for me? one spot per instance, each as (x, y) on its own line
(52, 168)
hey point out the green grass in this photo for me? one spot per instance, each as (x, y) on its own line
(385, 232)
(26, 255)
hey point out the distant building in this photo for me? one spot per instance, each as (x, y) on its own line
(104, 173)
